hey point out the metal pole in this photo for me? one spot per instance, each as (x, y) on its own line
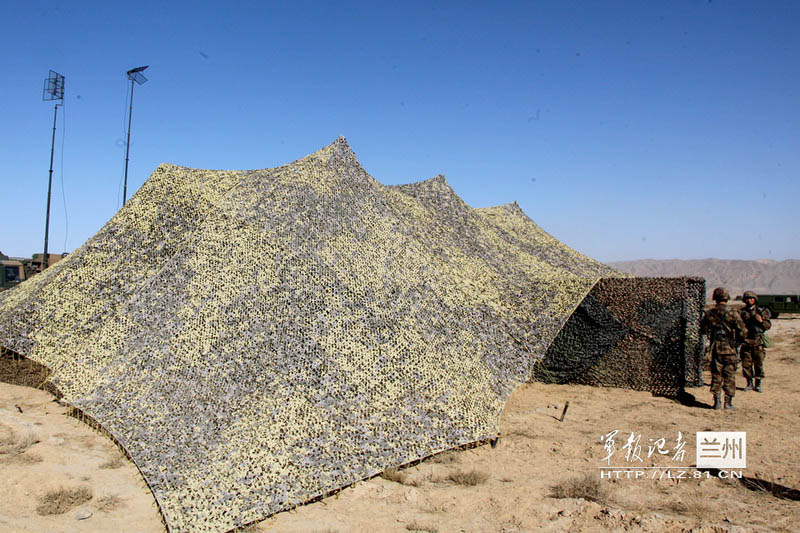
(128, 148)
(49, 189)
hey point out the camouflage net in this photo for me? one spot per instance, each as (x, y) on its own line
(255, 339)
(640, 333)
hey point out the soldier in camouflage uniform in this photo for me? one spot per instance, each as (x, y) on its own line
(725, 330)
(753, 351)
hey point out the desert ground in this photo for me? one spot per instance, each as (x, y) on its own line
(544, 474)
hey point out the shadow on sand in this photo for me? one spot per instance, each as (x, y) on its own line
(782, 492)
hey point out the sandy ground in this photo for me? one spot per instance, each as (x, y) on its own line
(41, 449)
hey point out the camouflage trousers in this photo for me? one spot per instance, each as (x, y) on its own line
(753, 361)
(723, 373)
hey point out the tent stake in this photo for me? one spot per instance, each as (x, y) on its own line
(564, 412)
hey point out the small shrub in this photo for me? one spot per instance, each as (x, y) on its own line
(416, 526)
(393, 474)
(693, 505)
(27, 441)
(106, 504)
(415, 482)
(115, 462)
(25, 459)
(12, 447)
(445, 458)
(468, 479)
(61, 500)
(587, 487)
(521, 433)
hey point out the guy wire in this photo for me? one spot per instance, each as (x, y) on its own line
(63, 192)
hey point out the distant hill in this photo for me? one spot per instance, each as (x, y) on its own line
(761, 275)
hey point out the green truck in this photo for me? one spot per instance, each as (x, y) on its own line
(780, 303)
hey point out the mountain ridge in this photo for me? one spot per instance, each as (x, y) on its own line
(766, 276)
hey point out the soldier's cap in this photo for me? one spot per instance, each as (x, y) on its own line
(749, 294)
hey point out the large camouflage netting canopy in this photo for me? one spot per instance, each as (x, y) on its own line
(254, 339)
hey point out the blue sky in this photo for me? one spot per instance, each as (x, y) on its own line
(626, 129)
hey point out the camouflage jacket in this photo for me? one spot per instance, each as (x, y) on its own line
(724, 328)
(755, 329)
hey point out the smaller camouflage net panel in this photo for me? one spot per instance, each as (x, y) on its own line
(639, 333)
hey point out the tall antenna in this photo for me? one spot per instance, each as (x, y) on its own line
(135, 75)
(53, 90)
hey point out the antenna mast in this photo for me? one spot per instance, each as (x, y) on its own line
(53, 90)
(135, 75)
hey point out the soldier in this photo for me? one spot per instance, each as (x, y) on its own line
(725, 329)
(753, 351)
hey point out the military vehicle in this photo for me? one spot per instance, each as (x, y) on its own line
(12, 272)
(15, 270)
(34, 265)
(780, 303)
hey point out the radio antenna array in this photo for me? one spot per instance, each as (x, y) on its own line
(53, 87)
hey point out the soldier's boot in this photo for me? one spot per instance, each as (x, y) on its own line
(729, 402)
(749, 384)
(718, 401)
(759, 387)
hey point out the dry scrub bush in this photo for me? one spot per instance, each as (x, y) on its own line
(468, 479)
(693, 504)
(416, 526)
(61, 500)
(393, 474)
(521, 433)
(115, 462)
(27, 441)
(25, 459)
(445, 458)
(587, 487)
(106, 504)
(12, 447)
